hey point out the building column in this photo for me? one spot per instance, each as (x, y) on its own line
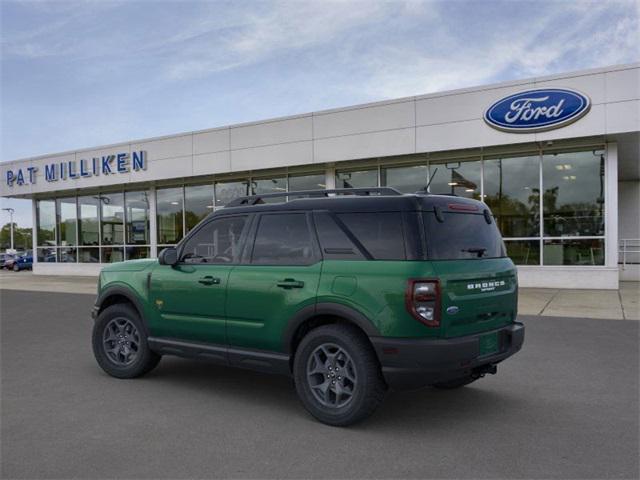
(330, 177)
(153, 225)
(34, 231)
(611, 205)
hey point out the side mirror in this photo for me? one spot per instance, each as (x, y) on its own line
(168, 256)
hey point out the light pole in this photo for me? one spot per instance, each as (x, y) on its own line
(11, 212)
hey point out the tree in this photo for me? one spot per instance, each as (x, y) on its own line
(21, 237)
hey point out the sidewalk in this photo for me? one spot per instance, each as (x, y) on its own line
(623, 304)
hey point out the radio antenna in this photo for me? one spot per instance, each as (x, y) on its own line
(426, 188)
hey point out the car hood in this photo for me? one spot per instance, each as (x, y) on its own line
(130, 265)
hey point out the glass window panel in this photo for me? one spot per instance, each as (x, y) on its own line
(573, 198)
(359, 179)
(88, 220)
(228, 191)
(46, 222)
(574, 252)
(524, 252)
(373, 231)
(307, 182)
(67, 255)
(406, 179)
(169, 206)
(512, 191)
(198, 203)
(47, 255)
(456, 178)
(283, 239)
(137, 217)
(269, 185)
(88, 255)
(133, 253)
(67, 213)
(112, 218)
(112, 254)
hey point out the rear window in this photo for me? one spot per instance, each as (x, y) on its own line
(462, 236)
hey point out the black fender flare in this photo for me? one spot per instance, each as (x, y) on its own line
(326, 308)
(129, 295)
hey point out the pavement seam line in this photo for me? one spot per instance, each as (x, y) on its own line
(549, 302)
(624, 316)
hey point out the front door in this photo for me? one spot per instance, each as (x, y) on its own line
(190, 297)
(279, 277)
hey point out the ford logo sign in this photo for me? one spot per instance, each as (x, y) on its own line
(537, 110)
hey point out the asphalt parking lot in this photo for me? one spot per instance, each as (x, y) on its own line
(565, 407)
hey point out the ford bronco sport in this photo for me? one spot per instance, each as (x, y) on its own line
(350, 292)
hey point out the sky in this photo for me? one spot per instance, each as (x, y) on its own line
(86, 73)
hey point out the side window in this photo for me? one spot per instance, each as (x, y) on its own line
(334, 242)
(216, 242)
(380, 233)
(283, 239)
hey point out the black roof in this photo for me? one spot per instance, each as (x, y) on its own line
(388, 200)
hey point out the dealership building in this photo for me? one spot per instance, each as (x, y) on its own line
(556, 158)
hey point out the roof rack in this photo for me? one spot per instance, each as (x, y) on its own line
(257, 199)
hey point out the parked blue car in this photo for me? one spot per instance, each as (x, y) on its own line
(23, 262)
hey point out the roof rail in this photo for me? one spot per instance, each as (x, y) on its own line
(257, 199)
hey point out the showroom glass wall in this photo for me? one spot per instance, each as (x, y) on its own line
(564, 226)
(107, 227)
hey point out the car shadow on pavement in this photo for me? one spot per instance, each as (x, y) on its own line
(412, 409)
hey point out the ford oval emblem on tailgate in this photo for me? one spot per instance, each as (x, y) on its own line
(452, 310)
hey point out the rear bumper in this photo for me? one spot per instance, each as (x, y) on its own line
(414, 363)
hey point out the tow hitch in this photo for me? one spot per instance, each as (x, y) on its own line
(483, 370)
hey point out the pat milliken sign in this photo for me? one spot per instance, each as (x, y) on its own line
(105, 165)
(537, 110)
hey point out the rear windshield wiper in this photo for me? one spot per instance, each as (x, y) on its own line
(477, 250)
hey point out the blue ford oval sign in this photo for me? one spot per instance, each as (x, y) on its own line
(537, 110)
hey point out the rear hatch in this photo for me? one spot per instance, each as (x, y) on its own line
(478, 282)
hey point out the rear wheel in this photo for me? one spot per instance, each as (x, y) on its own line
(337, 375)
(120, 344)
(455, 383)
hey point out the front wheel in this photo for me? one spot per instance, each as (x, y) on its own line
(16, 268)
(337, 375)
(120, 344)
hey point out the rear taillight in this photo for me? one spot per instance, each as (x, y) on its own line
(423, 301)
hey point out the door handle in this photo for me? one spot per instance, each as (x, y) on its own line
(209, 280)
(290, 283)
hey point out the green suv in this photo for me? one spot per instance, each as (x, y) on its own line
(351, 292)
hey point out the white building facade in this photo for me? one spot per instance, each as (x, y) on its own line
(556, 158)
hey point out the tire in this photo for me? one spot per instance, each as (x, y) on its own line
(455, 383)
(130, 356)
(362, 388)
(16, 268)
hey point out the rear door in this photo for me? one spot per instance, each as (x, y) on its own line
(278, 277)
(478, 282)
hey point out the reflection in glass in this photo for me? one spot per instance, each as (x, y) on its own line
(133, 253)
(198, 203)
(67, 212)
(269, 185)
(228, 191)
(574, 252)
(88, 220)
(47, 255)
(169, 206)
(89, 255)
(512, 191)
(573, 198)
(524, 252)
(406, 179)
(307, 182)
(112, 254)
(456, 178)
(112, 218)
(46, 218)
(137, 217)
(67, 255)
(359, 179)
